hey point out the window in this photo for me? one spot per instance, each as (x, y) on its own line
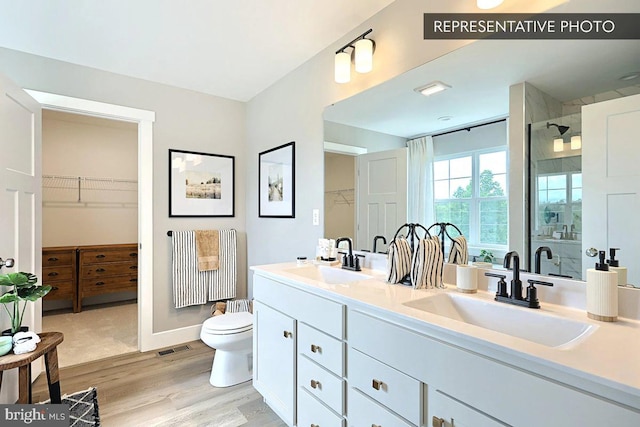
(470, 191)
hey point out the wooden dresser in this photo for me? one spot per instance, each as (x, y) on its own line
(59, 271)
(105, 269)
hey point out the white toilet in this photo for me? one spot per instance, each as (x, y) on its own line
(231, 335)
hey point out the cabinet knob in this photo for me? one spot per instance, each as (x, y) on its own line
(99, 283)
(315, 425)
(377, 384)
(315, 384)
(100, 270)
(315, 348)
(100, 256)
(52, 274)
(52, 259)
(288, 334)
(376, 425)
(437, 422)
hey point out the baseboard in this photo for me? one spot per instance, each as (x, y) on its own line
(170, 338)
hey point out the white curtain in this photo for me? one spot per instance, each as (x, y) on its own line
(420, 181)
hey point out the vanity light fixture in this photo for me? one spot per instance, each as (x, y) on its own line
(576, 142)
(558, 145)
(362, 52)
(431, 88)
(488, 4)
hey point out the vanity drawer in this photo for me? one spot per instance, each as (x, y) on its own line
(50, 274)
(365, 412)
(321, 348)
(397, 391)
(61, 290)
(321, 383)
(315, 414)
(321, 313)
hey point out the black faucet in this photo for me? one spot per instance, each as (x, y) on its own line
(375, 241)
(539, 251)
(348, 261)
(515, 298)
(516, 283)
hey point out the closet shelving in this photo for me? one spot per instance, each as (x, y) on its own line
(88, 191)
(341, 197)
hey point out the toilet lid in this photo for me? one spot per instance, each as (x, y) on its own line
(229, 322)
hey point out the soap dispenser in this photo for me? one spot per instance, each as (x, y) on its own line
(614, 265)
(602, 291)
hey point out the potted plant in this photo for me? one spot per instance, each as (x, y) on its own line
(486, 255)
(23, 288)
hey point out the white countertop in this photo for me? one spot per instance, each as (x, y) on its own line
(607, 362)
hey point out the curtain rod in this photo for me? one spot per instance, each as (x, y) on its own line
(467, 128)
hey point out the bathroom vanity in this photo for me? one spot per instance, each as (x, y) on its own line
(339, 348)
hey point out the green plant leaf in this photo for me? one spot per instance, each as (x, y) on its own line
(9, 297)
(33, 293)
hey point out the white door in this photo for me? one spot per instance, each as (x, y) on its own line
(382, 195)
(20, 203)
(611, 181)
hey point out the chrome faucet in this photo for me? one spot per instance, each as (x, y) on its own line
(515, 298)
(375, 241)
(349, 262)
(539, 251)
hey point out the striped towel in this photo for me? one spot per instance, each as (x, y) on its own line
(459, 253)
(427, 264)
(222, 282)
(238, 305)
(188, 288)
(399, 260)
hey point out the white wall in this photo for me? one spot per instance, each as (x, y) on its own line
(185, 120)
(365, 138)
(74, 145)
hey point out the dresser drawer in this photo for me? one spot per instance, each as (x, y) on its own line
(321, 383)
(365, 412)
(321, 348)
(90, 256)
(108, 269)
(54, 259)
(50, 274)
(312, 413)
(319, 312)
(105, 285)
(61, 290)
(397, 391)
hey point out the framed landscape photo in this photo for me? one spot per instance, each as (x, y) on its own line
(201, 184)
(276, 182)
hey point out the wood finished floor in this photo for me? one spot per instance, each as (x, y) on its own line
(144, 389)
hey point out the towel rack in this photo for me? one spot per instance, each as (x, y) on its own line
(443, 232)
(170, 232)
(412, 235)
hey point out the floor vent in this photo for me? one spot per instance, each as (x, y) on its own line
(173, 350)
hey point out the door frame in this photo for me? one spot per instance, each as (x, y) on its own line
(147, 340)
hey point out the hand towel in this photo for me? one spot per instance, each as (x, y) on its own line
(208, 249)
(459, 253)
(399, 260)
(427, 264)
(189, 285)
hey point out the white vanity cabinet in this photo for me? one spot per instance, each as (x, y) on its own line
(313, 357)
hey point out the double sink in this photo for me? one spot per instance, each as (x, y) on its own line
(528, 324)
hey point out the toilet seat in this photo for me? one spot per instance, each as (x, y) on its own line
(230, 323)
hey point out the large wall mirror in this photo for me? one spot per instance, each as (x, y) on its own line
(548, 82)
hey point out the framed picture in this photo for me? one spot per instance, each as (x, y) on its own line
(276, 182)
(201, 184)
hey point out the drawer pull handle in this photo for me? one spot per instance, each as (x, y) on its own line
(99, 283)
(133, 280)
(376, 425)
(133, 267)
(377, 384)
(54, 288)
(53, 259)
(315, 384)
(288, 334)
(315, 349)
(133, 254)
(315, 425)
(437, 422)
(52, 274)
(100, 270)
(100, 256)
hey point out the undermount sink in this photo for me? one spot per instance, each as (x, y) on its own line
(331, 275)
(518, 322)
